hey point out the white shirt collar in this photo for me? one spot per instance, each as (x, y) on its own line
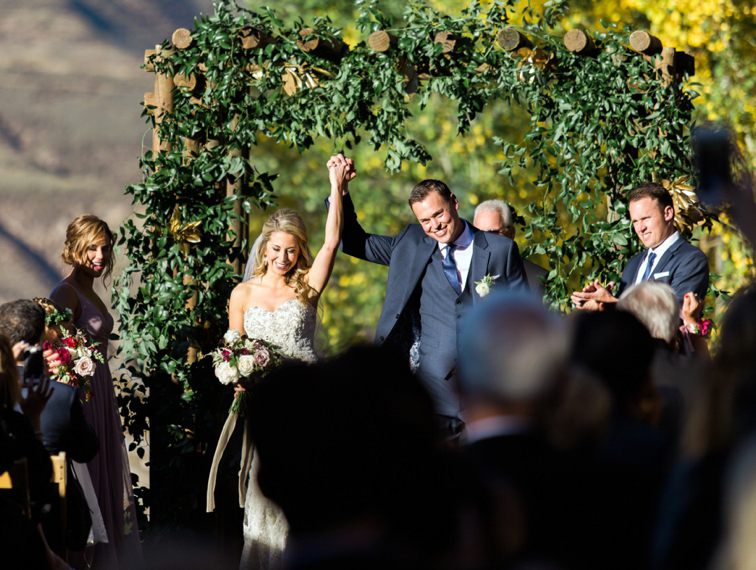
(464, 240)
(662, 248)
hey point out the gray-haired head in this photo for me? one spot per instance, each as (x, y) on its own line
(511, 349)
(506, 222)
(655, 305)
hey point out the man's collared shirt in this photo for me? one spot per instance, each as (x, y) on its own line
(462, 253)
(659, 251)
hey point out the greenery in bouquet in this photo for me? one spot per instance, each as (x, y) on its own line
(242, 360)
(77, 355)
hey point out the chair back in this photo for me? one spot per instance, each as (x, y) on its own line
(16, 480)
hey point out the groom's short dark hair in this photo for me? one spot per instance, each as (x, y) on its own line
(422, 189)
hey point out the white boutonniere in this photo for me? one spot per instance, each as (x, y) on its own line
(483, 287)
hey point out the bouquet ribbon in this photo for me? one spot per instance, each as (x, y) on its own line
(246, 461)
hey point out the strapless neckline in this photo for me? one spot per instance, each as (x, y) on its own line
(279, 306)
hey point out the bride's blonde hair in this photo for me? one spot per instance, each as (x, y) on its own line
(287, 221)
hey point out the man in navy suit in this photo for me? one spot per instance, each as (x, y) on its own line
(434, 267)
(668, 257)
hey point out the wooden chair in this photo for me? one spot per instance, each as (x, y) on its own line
(60, 478)
(16, 480)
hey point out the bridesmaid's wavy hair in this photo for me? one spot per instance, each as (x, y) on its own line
(83, 232)
(290, 222)
(10, 387)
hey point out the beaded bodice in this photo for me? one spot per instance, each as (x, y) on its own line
(291, 327)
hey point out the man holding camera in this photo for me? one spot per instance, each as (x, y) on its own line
(62, 422)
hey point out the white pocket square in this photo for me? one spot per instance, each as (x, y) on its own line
(660, 275)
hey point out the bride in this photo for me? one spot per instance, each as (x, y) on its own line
(278, 304)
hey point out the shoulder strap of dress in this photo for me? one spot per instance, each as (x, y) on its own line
(67, 285)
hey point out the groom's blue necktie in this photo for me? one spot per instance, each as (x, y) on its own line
(450, 268)
(649, 265)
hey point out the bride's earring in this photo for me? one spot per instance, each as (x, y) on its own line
(265, 261)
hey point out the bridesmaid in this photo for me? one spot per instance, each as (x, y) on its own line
(88, 250)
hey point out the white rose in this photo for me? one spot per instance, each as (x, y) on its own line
(246, 364)
(226, 373)
(84, 367)
(482, 289)
(232, 335)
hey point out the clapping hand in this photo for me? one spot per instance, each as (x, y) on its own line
(593, 296)
(691, 309)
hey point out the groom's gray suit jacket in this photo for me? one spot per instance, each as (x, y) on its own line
(419, 297)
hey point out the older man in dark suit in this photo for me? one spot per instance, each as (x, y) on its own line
(438, 269)
(668, 257)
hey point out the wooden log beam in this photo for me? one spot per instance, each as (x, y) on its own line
(447, 40)
(666, 64)
(182, 38)
(189, 82)
(326, 47)
(163, 101)
(510, 39)
(645, 43)
(149, 101)
(252, 38)
(579, 42)
(684, 64)
(148, 65)
(382, 41)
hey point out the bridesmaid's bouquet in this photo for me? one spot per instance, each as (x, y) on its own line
(240, 358)
(77, 356)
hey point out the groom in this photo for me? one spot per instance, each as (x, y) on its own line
(433, 269)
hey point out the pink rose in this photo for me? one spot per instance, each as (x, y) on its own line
(85, 367)
(262, 357)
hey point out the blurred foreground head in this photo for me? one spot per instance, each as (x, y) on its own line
(345, 442)
(618, 350)
(655, 305)
(512, 350)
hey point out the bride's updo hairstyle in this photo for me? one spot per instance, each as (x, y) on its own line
(287, 221)
(83, 232)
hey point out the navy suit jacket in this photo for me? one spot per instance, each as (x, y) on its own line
(683, 266)
(63, 425)
(408, 254)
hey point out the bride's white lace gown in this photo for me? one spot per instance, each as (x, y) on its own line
(292, 328)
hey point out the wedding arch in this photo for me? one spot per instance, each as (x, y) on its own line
(607, 110)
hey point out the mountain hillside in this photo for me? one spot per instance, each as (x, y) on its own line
(70, 127)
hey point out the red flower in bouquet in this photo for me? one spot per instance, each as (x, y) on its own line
(77, 355)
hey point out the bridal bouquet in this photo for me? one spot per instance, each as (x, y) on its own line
(241, 358)
(77, 356)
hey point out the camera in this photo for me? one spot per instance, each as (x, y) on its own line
(33, 363)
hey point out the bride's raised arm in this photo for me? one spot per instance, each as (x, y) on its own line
(340, 172)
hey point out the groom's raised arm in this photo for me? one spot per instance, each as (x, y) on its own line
(358, 243)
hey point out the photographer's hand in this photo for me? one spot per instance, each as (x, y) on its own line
(37, 395)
